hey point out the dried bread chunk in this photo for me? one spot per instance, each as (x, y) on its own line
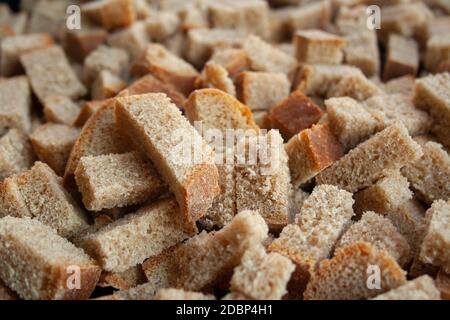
(390, 149)
(323, 218)
(128, 279)
(53, 144)
(385, 195)
(379, 231)
(38, 264)
(87, 110)
(12, 48)
(216, 76)
(294, 114)
(438, 51)
(153, 120)
(15, 104)
(133, 39)
(111, 14)
(402, 85)
(436, 242)
(356, 86)
(180, 294)
(50, 73)
(160, 25)
(6, 293)
(80, 43)
(443, 284)
(167, 67)
(262, 90)
(16, 153)
(312, 15)
(312, 151)
(60, 109)
(402, 57)
(422, 288)
(49, 16)
(429, 174)
(232, 59)
(207, 258)
(117, 180)
(107, 85)
(317, 46)
(132, 239)
(346, 275)
(38, 193)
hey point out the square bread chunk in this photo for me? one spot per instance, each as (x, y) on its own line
(80, 43)
(53, 143)
(312, 15)
(208, 258)
(317, 46)
(262, 90)
(126, 280)
(15, 104)
(60, 109)
(38, 193)
(379, 232)
(422, 288)
(13, 47)
(107, 85)
(402, 57)
(436, 243)
(390, 149)
(153, 122)
(261, 275)
(312, 151)
(50, 73)
(16, 153)
(438, 51)
(216, 76)
(117, 180)
(133, 39)
(234, 60)
(180, 294)
(138, 236)
(38, 264)
(345, 276)
(111, 14)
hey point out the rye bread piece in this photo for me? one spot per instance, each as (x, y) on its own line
(16, 153)
(15, 104)
(422, 288)
(111, 14)
(402, 57)
(60, 110)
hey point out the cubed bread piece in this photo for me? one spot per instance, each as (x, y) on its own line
(379, 231)
(351, 122)
(50, 74)
(80, 43)
(13, 47)
(312, 151)
(15, 104)
(216, 76)
(429, 175)
(265, 57)
(294, 114)
(16, 153)
(398, 107)
(324, 216)
(443, 284)
(193, 15)
(167, 67)
(150, 84)
(38, 193)
(6, 293)
(442, 133)
(99, 136)
(233, 60)
(114, 60)
(117, 180)
(49, 16)
(38, 264)
(180, 294)
(355, 86)
(390, 149)
(218, 110)
(316, 46)
(60, 109)
(402, 57)
(409, 221)
(161, 24)
(202, 42)
(346, 276)
(53, 144)
(362, 51)
(422, 288)
(438, 51)
(319, 79)
(126, 280)
(207, 258)
(250, 16)
(107, 85)
(111, 14)
(151, 121)
(87, 110)
(263, 180)
(312, 15)
(261, 275)
(402, 85)
(130, 240)
(262, 90)
(385, 195)
(436, 243)
(161, 270)
(133, 39)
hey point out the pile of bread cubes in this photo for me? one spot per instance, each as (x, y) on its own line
(92, 197)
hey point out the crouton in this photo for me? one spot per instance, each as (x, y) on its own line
(49, 16)
(133, 39)
(80, 43)
(126, 280)
(233, 60)
(60, 109)
(161, 24)
(314, 15)
(107, 85)
(316, 46)
(216, 76)
(422, 288)
(402, 57)
(87, 110)
(443, 284)
(16, 153)
(15, 104)
(111, 14)
(355, 86)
